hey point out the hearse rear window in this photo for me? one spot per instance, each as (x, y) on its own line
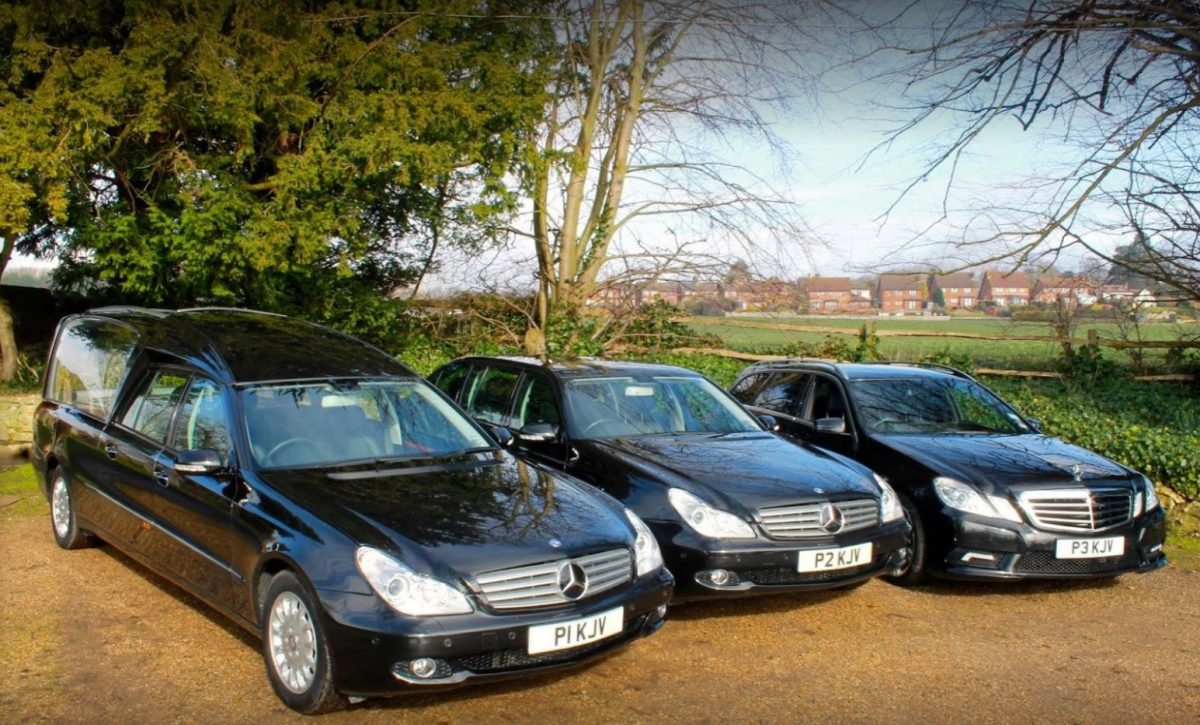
(89, 363)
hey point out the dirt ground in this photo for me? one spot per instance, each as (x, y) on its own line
(90, 636)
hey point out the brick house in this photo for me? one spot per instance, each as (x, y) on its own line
(1049, 289)
(958, 289)
(828, 294)
(1006, 290)
(902, 292)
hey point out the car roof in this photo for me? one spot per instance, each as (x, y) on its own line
(243, 346)
(582, 367)
(863, 371)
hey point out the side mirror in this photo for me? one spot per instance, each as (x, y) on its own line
(830, 425)
(503, 436)
(200, 460)
(1035, 424)
(769, 421)
(538, 433)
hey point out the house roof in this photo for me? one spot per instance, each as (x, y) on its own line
(955, 279)
(1048, 281)
(828, 284)
(900, 281)
(1007, 279)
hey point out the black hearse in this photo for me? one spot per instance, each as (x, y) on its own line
(988, 494)
(325, 497)
(737, 509)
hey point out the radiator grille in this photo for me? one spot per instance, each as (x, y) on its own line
(804, 521)
(538, 585)
(1079, 509)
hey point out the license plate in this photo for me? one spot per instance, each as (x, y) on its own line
(1089, 548)
(575, 632)
(826, 559)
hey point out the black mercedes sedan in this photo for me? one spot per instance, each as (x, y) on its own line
(329, 500)
(989, 496)
(736, 508)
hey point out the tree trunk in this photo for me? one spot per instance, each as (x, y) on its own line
(8, 344)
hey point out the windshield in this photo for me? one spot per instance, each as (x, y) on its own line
(314, 424)
(624, 406)
(929, 405)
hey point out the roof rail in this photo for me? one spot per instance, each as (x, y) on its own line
(930, 365)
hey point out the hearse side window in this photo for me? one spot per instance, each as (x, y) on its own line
(451, 380)
(202, 422)
(88, 365)
(783, 393)
(150, 412)
(536, 403)
(490, 394)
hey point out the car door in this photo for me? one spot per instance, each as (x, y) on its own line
(537, 422)
(825, 416)
(198, 506)
(783, 395)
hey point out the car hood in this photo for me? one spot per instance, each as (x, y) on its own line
(1024, 461)
(461, 515)
(742, 470)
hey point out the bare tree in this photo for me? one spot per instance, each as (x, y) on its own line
(640, 91)
(1119, 78)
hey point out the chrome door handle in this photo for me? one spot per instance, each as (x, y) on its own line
(161, 476)
(111, 450)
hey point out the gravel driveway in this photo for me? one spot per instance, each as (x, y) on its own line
(90, 636)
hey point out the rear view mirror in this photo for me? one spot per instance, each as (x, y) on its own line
(503, 436)
(200, 460)
(538, 433)
(769, 421)
(830, 425)
(1035, 424)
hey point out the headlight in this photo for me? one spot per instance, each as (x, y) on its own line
(649, 556)
(964, 497)
(1152, 501)
(889, 503)
(405, 590)
(706, 520)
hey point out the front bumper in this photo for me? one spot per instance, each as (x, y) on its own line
(766, 566)
(371, 645)
(960, 546)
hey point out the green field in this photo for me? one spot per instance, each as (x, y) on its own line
(1013, 354)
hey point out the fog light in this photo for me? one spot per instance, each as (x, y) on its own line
(423, 667)
(718, 578)
(661, 611)
(970, 556)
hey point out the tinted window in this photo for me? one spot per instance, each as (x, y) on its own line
(450, 381)
(536, 403)
(202, 422)
(827, 400)
(329, 423)
(614, 407)
(745, 389)
(923, 405)
(89, 364)
(150, 412)
(784, 392)
(490, 393)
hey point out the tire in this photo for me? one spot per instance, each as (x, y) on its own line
(294, 648)
(63, 524)
(916, 572)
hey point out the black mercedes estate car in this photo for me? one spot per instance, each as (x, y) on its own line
(326, 498)
(988, 495)
(736, 508)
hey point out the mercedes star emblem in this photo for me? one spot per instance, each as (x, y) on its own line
(572, 580)
(831, 518)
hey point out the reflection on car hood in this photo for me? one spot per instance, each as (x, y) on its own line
(744, 470)
(466, 514)
(1005, 460)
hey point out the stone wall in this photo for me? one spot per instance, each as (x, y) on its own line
(16, 423)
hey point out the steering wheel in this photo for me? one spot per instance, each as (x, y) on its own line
(284, 444)
(887, 421)
(588, 428)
